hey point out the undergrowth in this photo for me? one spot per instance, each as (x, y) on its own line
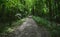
(6, 28)
(52, 27)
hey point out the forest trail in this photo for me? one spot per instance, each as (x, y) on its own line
(29, 29)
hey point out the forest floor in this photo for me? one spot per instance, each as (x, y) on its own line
(29, 28)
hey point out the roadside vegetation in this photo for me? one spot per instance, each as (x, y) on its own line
(45, 12)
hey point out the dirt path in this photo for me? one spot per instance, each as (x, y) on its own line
(29, 29)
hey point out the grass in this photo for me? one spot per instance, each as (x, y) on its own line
(8, 29)
(51, 26)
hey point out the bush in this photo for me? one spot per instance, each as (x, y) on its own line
(53, 27)
(9, 8)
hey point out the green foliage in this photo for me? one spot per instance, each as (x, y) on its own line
(5, 28)
(9, 8)
(6, 10)
(48, 9)
(51, 26)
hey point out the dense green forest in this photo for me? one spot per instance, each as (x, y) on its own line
(45, 12)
